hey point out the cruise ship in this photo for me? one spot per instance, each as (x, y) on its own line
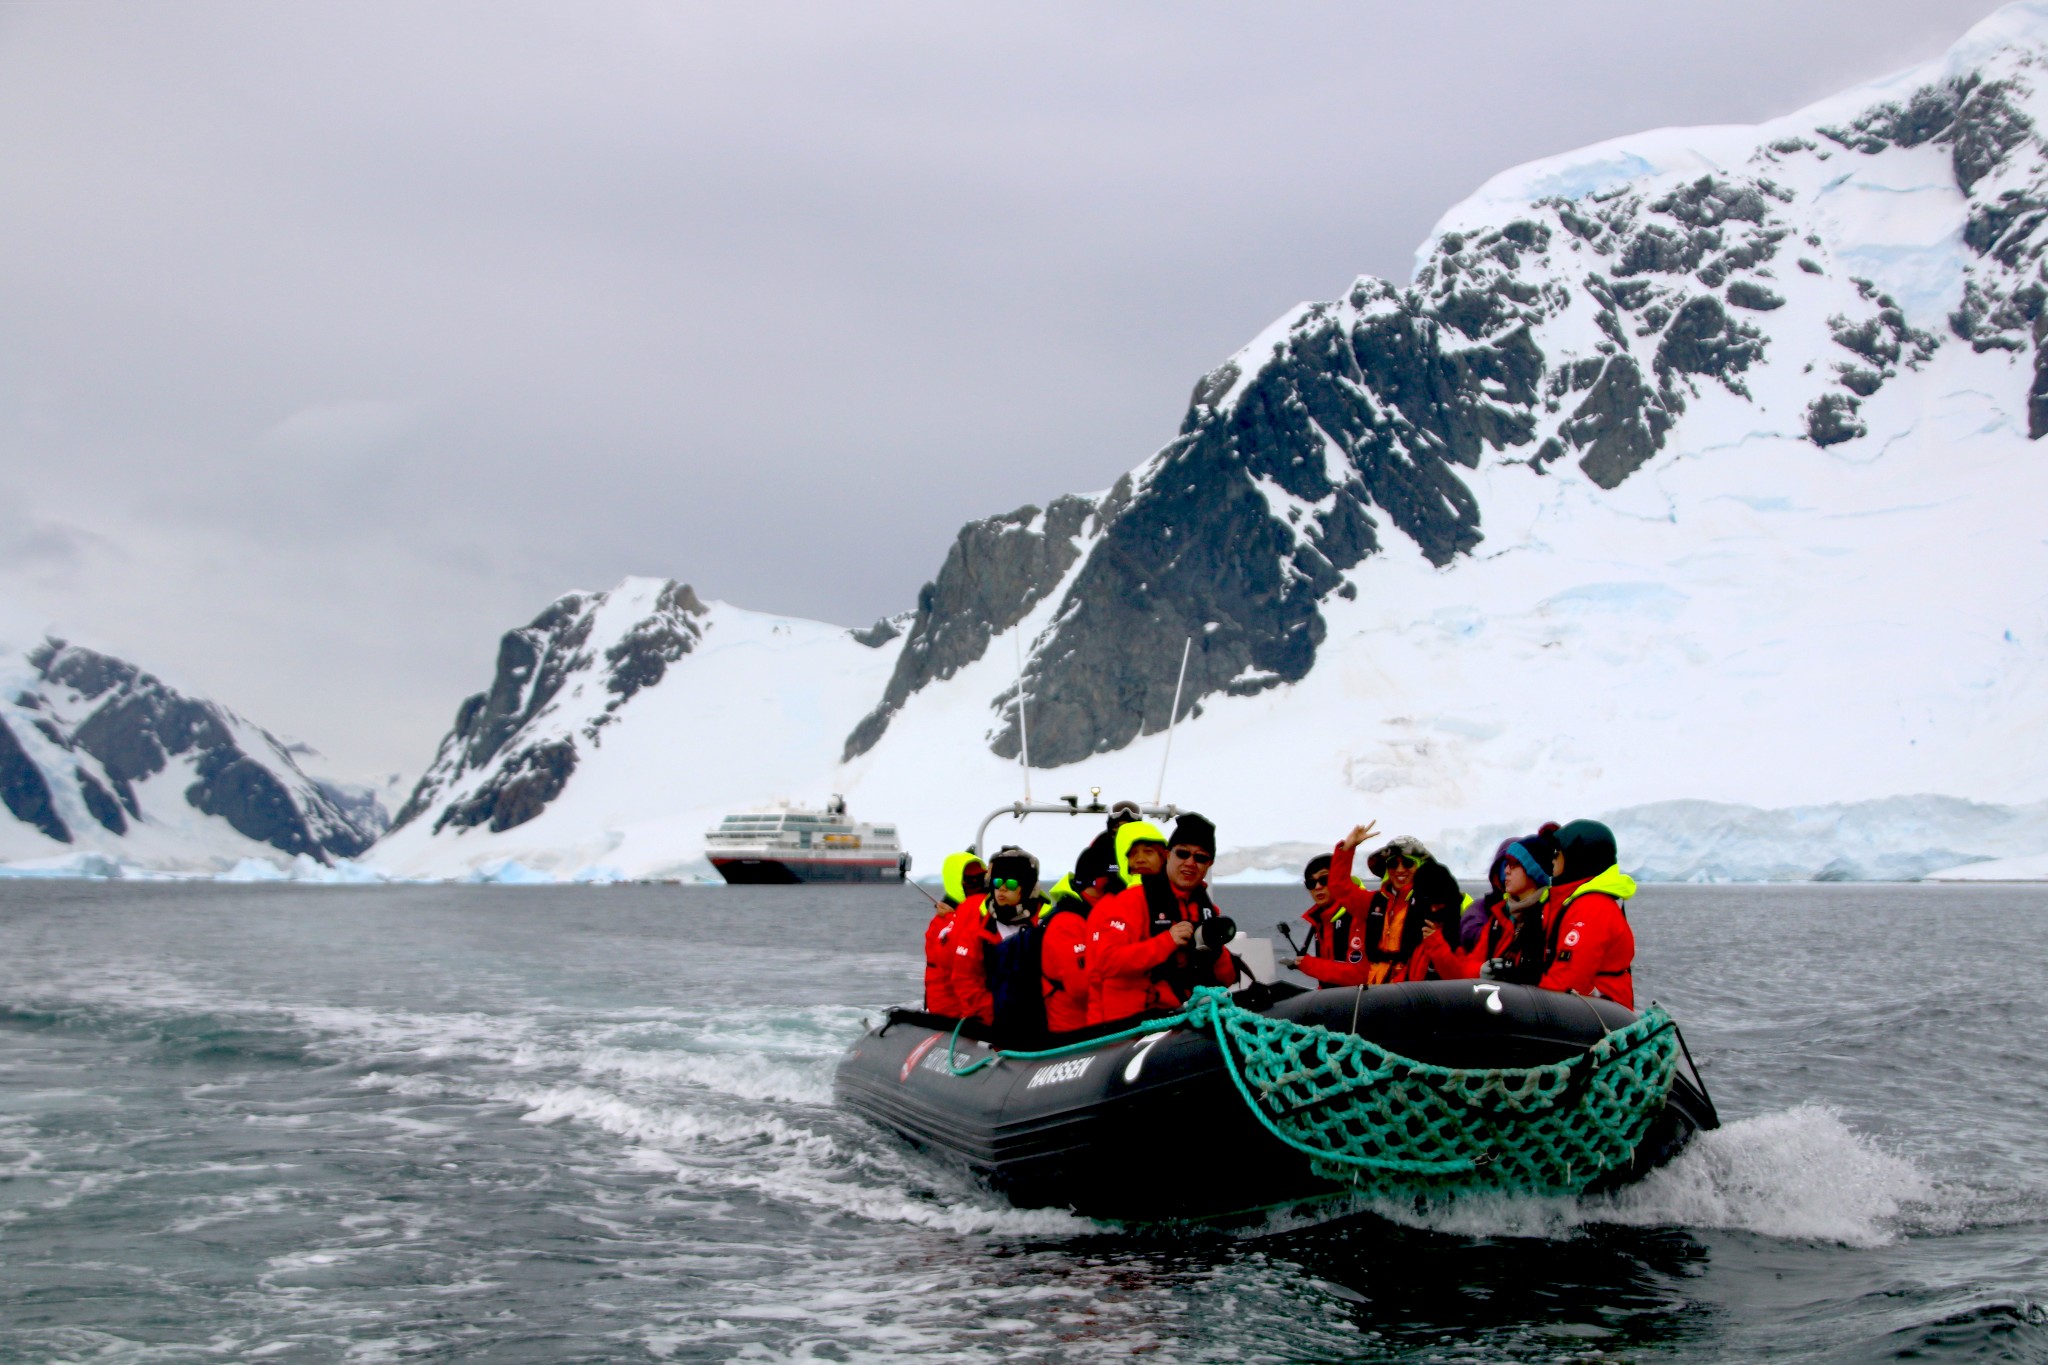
(792, 844)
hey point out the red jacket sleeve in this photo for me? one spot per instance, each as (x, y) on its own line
(1586, 942)
(1063, 957)
(970, 980)
(1129, 951)
(1329, 972)
(1450, 964)
(1340, 864)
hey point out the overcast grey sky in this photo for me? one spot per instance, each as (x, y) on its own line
(337, 339)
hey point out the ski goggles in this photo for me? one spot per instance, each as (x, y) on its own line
(1007, 884)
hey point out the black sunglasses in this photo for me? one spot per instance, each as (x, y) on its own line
(1319, 880)
(1193, 855)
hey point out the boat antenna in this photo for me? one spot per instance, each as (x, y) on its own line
(1160, 791)
(1023, 730)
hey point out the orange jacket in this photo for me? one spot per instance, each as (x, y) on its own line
(1588, 945)
(938, 964)
(1125, 956)
(1063, 958)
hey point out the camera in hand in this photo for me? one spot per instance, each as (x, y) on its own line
(1212, 934)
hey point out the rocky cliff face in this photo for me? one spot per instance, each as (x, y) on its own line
(95, 752)
(1593, 328)
(506, 760)
(996, 572)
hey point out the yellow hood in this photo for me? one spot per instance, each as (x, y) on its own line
(953, 873)
(1613, 882)
(1136, 832)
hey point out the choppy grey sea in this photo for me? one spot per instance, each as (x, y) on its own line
(596, 1124)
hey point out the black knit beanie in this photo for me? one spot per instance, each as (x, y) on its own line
(1194, 831)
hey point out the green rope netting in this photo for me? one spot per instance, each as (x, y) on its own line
(1363, 1113)
(1370, 1117)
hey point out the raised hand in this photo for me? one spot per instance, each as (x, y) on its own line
(1360, 833)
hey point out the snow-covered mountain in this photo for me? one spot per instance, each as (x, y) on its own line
(1700, 465)
(620, 725)
(103, 765)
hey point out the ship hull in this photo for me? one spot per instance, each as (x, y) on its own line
(798, 871)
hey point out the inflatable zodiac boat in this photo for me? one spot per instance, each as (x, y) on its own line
(1218, 1109)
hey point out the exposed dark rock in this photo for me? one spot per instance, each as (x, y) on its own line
(643, 656)
(1620, 425)
(518, 791)
(1811, 267)
(1988, 126)
(1926, 114)
(1831, 420)
(101, 803)
(1744, 294)
(25, 791)
(1704, 340)
(249, 797)
(2037, 393)
(997, 571)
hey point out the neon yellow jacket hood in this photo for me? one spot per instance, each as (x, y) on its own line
(1135, 832)
(953, 873)
(1613, 882)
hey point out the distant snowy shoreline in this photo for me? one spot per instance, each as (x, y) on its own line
(1898, 839)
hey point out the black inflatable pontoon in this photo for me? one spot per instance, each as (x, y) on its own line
(1152, 1127)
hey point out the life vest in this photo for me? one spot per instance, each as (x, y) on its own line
(1015, 976)
(1391, 936)
(1188, 967)
(1335, 939)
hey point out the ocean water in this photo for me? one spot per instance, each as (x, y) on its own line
(595, 1124)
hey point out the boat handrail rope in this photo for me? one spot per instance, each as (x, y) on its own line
(1358, 1110)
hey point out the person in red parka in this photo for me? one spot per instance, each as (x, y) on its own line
(1064, 951)
(1152, 943)
(1588, 947)
(996, 967)
(1500, 929)
(965, 876)
(1336, 916)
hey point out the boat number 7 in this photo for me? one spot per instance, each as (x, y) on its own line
(1137, 1062)
(1492, 993)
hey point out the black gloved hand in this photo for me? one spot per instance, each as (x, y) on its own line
(1212, 934)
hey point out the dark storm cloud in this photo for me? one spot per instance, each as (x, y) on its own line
(362, 331)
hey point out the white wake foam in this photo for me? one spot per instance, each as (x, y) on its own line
(1799, 1174)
